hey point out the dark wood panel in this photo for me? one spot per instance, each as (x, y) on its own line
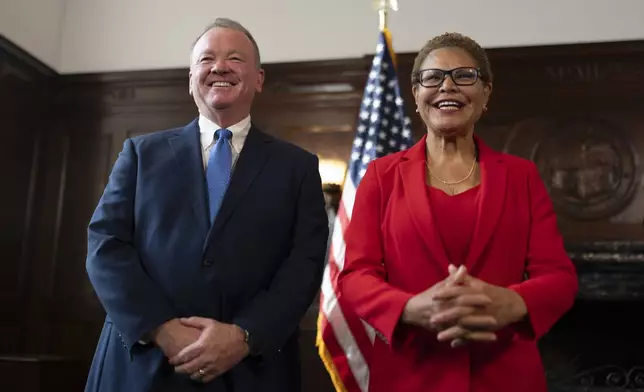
(37, 373)
(84, 161)
(26, 95)
(10, 328)
(16, 162)
(48, 215)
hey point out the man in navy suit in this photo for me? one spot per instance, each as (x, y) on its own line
(208, 244)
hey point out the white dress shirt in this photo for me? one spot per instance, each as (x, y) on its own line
(208, 128)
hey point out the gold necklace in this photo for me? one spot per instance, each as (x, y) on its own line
(449, 183)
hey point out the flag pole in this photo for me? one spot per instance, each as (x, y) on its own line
(383, 7)
(383, 13)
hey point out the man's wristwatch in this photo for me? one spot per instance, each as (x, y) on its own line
(248, 339)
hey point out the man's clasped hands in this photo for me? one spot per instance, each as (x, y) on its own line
(462, 309)
(201, 348)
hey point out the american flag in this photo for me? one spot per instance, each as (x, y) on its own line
(344, 341)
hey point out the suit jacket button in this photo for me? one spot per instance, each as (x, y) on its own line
(208, 262)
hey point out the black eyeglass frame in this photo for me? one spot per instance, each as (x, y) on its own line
(449, 72)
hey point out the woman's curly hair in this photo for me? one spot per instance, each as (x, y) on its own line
(454, 40)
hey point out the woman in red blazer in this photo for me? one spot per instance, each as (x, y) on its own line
(453, 254)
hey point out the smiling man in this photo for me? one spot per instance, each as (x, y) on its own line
(208, 243)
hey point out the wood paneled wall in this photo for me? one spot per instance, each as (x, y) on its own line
(26, 95)
(578, 110)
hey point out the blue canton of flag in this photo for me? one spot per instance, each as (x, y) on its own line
(383, 127)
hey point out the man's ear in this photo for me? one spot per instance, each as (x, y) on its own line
(260, 80)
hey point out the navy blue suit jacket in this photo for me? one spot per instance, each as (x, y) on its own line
(153, 256)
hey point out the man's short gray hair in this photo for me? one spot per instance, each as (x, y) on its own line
(225, 23)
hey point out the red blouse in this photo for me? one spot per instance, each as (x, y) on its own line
(455, 219)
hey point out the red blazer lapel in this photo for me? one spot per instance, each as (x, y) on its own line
(492, 198)
(413, 180)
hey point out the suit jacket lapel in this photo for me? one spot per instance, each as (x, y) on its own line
(251, 160)
(186, 148)
(413, 179)
(492, 198)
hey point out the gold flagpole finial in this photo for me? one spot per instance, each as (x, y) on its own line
(383, 7)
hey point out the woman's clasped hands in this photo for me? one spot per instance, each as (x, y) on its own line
(462, 308)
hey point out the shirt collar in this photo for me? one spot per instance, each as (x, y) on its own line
(239, 131)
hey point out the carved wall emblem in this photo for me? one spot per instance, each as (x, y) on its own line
(588, 165)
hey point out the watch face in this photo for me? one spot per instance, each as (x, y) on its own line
(249, 341)
(246, 336)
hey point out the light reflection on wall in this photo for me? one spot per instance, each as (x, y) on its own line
(332, 171)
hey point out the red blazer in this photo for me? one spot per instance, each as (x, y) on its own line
(393, 251)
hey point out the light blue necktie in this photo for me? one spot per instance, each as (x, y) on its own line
(218, 171)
